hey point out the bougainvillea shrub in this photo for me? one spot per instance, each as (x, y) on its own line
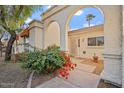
(67, 66)
(46, 61)
(51, 61)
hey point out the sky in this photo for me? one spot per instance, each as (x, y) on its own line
(77, 21)
(37, 14)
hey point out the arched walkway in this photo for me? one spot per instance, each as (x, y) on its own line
(112, 35)
(78, 38)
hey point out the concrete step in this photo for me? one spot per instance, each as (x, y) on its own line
(83, 79)
(77, 79)
(56, 83)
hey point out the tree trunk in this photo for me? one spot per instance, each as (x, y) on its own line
(9, 46)
(0, 42)
(0, 47)
(89, 23)
(0, 39)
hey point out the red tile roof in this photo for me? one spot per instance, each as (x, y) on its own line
(25, 33)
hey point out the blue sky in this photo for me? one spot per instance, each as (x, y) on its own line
(78, 20)
(37, 14)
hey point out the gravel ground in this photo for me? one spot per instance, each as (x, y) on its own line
(13, 76)
(39, 79)
(103, 84)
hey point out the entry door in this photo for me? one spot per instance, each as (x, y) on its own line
(78, 46)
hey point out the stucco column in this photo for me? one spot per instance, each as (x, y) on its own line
(63, 38)
(123, 50)
(36, 34)
(113, 44)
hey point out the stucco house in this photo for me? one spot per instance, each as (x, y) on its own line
(87, 42)
(53, 29)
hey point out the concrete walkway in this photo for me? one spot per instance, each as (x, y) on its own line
(79, 78)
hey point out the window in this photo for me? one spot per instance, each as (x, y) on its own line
(100, 41)
(92, 41)
(96, 41)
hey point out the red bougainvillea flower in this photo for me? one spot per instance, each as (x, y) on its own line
(68, 66)
(48, 70)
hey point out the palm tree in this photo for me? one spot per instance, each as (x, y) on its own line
(11, 19)
(89, 17)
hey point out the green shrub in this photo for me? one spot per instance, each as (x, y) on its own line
(23, 57)
(47, 60)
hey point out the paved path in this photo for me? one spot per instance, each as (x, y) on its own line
(79, 78)
(56, 83)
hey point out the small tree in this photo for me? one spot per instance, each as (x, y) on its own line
(1, 35)
(11, 19)
(89, 17)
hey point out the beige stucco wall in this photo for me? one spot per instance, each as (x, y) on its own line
(32, 37)
(20, 45)
(52, 34)
(123, 49)
(36, 34)
(113, 44)
(112, 35)
(38, 40)
(83, 35)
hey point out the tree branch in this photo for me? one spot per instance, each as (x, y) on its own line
(20, 10)
(3, 26)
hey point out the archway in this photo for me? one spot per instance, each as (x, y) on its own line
(78, 25)
(112, 35)
(52, 34)
(86, 41)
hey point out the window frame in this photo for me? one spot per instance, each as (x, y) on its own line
(96, 41)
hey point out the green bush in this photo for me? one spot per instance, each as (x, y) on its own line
(47, 60)
(23, 57)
